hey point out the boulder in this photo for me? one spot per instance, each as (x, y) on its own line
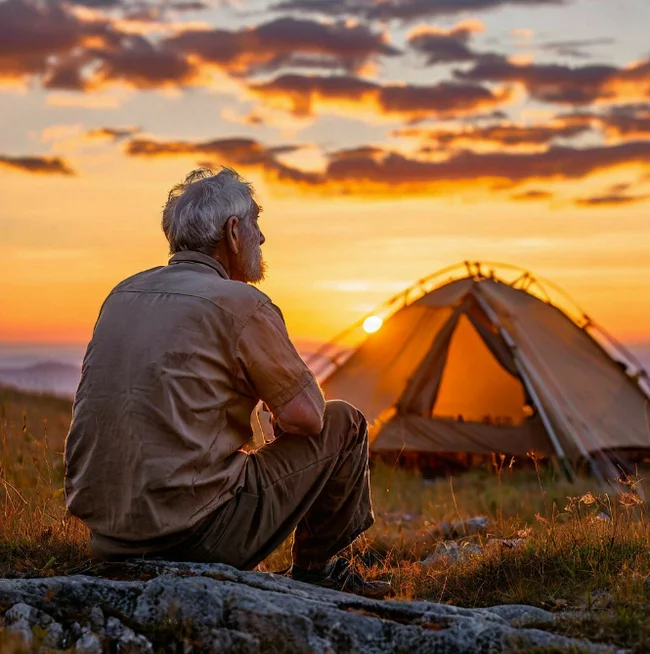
(210, 607)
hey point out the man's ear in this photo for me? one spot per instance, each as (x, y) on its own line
(232, 234)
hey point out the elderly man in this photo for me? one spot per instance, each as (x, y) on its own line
(179, 357)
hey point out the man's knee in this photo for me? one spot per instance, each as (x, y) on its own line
(346, 421)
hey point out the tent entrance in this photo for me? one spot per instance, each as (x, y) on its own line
(475, 387)
(466, 397)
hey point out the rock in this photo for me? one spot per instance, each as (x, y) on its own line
(34, 626)
(88, 643)
(469, 527)
(451, 552)
(125, 639)
(205, 608)
(96, 618)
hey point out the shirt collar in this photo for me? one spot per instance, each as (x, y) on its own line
(190, 256)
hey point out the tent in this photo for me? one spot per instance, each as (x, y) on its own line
(478, 364)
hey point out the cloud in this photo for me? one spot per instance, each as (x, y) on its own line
(577, 48)
(532, 195)
(557, 163)
(497, 135)
(244, 152)
(31, 33)
(562, 84)
(406, 10)
(188, 5)
(143, 65)
(631, 121)
(610, 200)
(76, 51)
(285, 42)
(302, 94)
(440, 46)
(113, 133)
(618, 122)
(37, 165)
(372, 170)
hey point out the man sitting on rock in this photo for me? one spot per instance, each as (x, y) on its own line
(179, 357)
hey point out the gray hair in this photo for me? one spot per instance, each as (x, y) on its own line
(197, 209)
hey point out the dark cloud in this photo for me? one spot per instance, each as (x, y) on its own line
(236, 150)
(285, 42)
(371, 170)
(32, 32)
(445, 46)
(631, 121)
(561, 84)
(556, 163)
(37, 165)
(532, 196)
(188, 5)
(405, 10)
(578, 48)
(113, 133)
(618, 122)
(497, 135)
(48, 40)
(242, 152)
(301, 93)
(610, 200)
(98, 4)
(143, 65)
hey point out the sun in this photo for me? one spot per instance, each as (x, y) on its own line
(372, 324)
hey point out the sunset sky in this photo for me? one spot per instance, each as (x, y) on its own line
(385, 139)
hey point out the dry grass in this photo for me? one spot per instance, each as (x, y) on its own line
(567, 547)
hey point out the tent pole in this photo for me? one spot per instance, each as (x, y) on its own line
(523, 372)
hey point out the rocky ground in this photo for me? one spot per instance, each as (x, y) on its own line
(215, 608)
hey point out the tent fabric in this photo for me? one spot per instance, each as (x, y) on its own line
(375, 375)
(443, 369)
(422, 388)
(418, 434)
(594, 404)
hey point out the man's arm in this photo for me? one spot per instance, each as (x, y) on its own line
(277, 375)
(303, 414)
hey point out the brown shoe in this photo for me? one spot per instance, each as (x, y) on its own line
(338, 574)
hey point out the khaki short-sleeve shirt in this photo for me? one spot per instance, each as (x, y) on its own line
(179, 357)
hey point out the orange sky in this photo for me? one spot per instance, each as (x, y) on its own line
(330, 259)
(382, 147)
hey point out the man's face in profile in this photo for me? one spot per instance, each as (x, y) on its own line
(251, 264)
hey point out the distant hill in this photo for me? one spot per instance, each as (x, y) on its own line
(52, 377)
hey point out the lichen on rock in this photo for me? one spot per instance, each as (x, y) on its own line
(206, 608)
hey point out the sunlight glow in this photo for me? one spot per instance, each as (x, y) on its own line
(372, 324)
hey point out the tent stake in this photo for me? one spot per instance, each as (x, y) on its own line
(564, 462)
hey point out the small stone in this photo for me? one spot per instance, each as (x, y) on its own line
(88, 643)
(451, 552)
(126, 640)
(55, 636)
(22, 618)
(97, 619)
(468, 527)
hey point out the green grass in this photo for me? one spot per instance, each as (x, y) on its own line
(568, 558)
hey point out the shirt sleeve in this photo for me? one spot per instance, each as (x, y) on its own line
(269, 362)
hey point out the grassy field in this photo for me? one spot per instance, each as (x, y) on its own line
(564, 547)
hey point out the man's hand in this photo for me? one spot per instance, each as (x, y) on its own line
(304, 413)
